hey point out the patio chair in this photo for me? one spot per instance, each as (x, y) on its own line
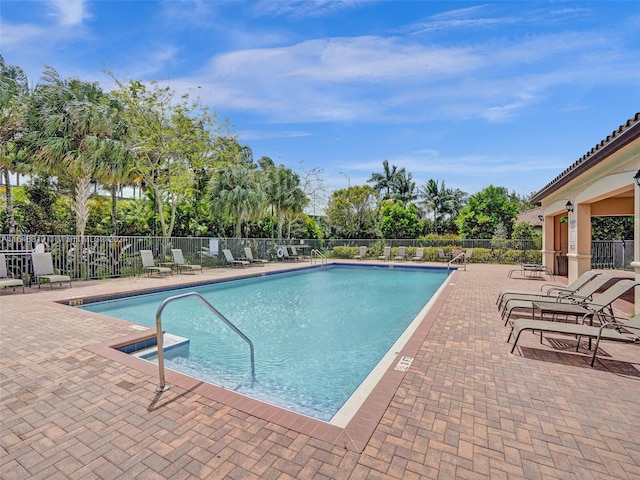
(181, 265)
(249, 254)
(401, 254)
(386, 254)
(418, 257)
(553, 289)
(232, 261)
(5, 280)
(581, 295)
(43, 269)
(295, 254)
(611, 328)
(363, 253)
(467, 255)
(149, 265)
(531, 270)
(573, 308)
(441, 256)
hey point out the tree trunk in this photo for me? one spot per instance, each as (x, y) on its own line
(114, 218)
(11, 219)
(83, 192)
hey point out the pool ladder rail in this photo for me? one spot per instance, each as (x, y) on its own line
(163, 386)
(317, 256)
(458, 258)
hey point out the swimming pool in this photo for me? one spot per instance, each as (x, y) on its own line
(318, 333)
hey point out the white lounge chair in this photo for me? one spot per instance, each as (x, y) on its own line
(386, 254)
(363, 253)
(43, 269)
(5, 280)
(401, 254)
(418, 257)
(149, 265)
(232, 261)
(249, 254)
(178, 258)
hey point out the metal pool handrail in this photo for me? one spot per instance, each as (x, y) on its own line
(159, 333)
(461, 255)
(316, 254)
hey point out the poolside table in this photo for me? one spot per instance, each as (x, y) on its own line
(559, 308)
(531, 270)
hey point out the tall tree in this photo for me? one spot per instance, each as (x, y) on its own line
(385, 180)
(403, 187)
(435, 198)
(167, 136)
(72, 135)
(283, 193)
(351, 212)
(234, 192)
(14, 95)
(485, 211)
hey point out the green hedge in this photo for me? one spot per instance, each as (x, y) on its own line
(479, 255)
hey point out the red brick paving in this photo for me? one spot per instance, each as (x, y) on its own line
(467, 408)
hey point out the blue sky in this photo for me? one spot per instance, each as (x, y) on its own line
(472, 93)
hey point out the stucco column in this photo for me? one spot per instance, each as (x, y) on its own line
(548, 244)
(579, 254)
(636, 243)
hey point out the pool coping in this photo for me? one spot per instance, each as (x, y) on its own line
(353, 437)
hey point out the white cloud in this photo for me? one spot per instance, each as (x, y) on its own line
(303, 8)
(69, 12)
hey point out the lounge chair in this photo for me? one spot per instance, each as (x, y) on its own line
(467, 255)
(531, 270)
(419, 255)
(611, 328)
(289, 255)
(363, 253)
(232, 261)
(386, 254)
(5, 280)
(43, 269)
(552, 289)
(249, 254)
(149, 265)
(178, 259)
(401, 254)
(295, 253)
(573, 308)
(581, 295)
(441, 256)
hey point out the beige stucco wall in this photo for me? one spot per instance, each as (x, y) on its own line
(607, 188)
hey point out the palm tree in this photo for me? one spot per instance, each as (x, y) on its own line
(73, 136)
(234, 191)
(119, 162)
(435, 199)
(287, 200)
(14, 94)
(403, 187)
(385, 180)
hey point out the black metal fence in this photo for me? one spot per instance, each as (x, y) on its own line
(93, 257)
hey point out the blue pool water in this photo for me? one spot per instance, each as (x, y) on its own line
(317, 333)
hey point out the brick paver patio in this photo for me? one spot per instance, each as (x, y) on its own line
(466, 408)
